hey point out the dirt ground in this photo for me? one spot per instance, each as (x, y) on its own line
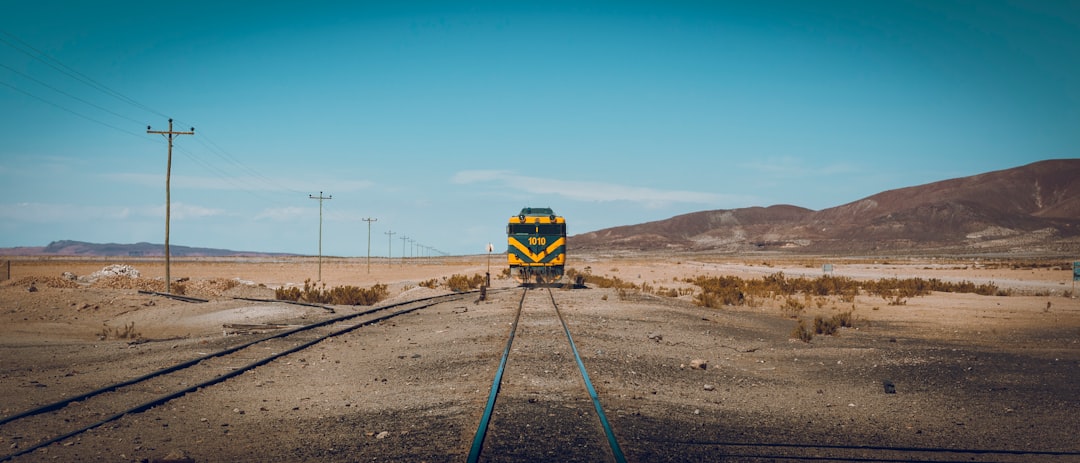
(945, 371)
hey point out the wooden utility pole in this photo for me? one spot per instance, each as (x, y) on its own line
(389, 246)
(321, 198)
(169, 135)
(369, 220)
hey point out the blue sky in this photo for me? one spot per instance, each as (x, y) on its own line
(442, 119)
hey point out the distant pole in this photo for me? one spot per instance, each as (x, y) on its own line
(321, 198)
(369, 220)
(169, 134)
(389, 246)
(403, 239)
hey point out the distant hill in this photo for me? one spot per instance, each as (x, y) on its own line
(79, 248)
(1033, 208)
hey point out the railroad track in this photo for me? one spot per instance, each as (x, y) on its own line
(72, 416)
(537, 410)
(531, 412)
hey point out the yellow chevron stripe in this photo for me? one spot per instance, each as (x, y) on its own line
(539, 256)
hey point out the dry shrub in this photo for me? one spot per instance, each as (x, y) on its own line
(824, 326)
(462, 283)
(667, 292)
(338, 295)
(49, 282)
(730, 290)
(793, 307)
(353, 295)
(126, 282)
(845, 319)
(912, 287)
(127, 332)
(802, 333)
(600, 281)
(613, 282)
(212, 287)
(291, 293)
(430, 284)
(830, 326)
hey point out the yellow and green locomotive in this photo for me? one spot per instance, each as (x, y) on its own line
(536, 250)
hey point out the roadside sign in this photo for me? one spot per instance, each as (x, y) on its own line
(827, 268)
(1076, 271)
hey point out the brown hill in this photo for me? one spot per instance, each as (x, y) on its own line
(1033, 208)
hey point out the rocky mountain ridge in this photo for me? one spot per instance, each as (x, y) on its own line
(1032, 209)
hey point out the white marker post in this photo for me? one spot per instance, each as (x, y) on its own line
(490, 248)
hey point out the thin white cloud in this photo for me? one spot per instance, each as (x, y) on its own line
(282, 214)
(589, 191)
(474, 176)
(184, 211)
(57, 213)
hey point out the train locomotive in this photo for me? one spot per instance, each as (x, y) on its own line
(536, 246)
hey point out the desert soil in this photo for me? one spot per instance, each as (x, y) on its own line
(967, 372)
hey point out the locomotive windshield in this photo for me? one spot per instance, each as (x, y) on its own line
(537, 228)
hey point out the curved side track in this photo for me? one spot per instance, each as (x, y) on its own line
(482, 430)
(61, 404)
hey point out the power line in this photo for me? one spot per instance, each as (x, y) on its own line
(74, 74)
(251, 181)
(230, 159)
(43, 84)
(71, 111)
(228, 176)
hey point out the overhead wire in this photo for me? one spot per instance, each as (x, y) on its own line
(211, 146)
(74, 74)
(46, 85)
(69, 110)
(22, 46)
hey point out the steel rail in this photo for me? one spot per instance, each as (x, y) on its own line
(217, 379)
(615, 449)
(174, 296)
(306, 304)
(481, 432)
(180, 366)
